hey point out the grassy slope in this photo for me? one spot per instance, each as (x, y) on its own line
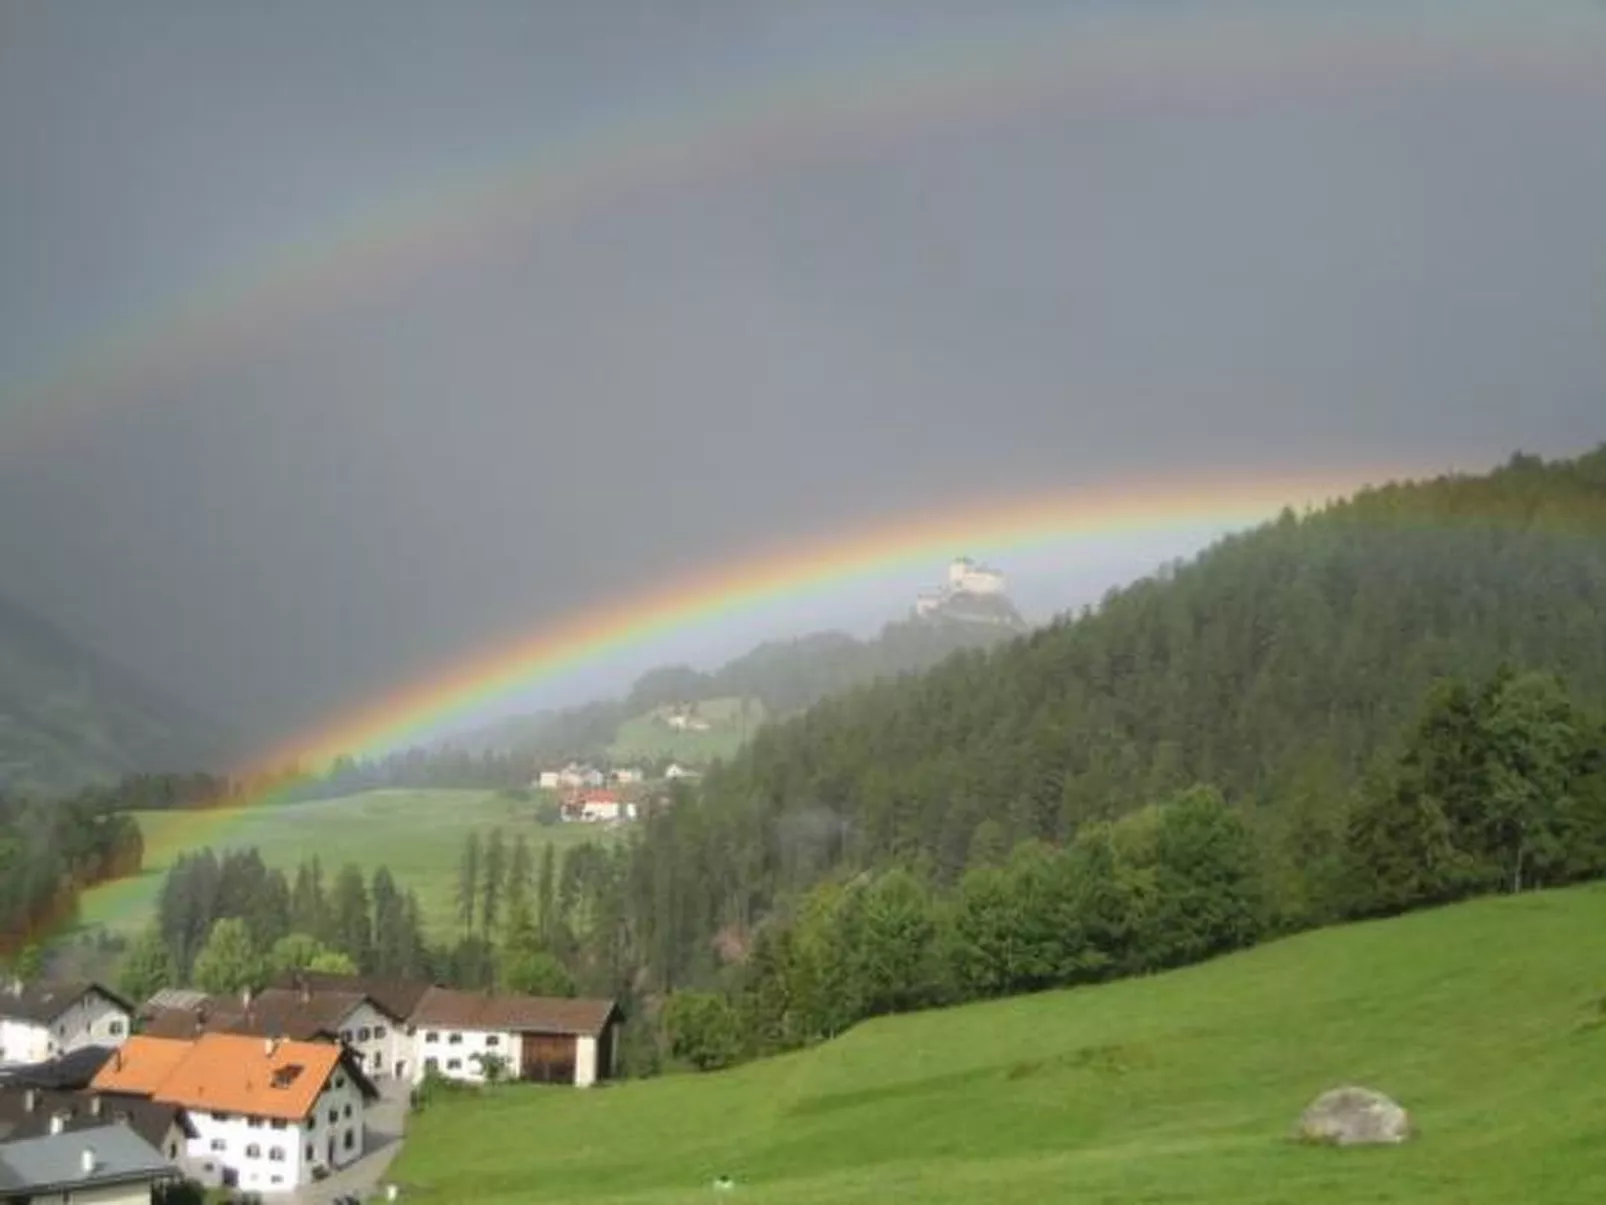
(418, 834)
(1483, 1019)
(646, 738)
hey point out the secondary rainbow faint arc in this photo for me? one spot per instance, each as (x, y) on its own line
(1094, 57)
(430, 703)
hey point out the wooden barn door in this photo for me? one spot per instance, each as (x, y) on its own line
(547, 1058)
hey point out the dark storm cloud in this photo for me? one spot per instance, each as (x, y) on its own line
(1409, 270)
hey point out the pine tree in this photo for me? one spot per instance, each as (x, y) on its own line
(492, 881)
(468, 878)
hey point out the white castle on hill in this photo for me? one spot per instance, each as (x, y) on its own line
(966, 580)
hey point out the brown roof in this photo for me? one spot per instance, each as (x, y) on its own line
(231, 1073)
(451, 1009)
(27, 1114)
(276, 1012)
(42, 1003)
(397, 997)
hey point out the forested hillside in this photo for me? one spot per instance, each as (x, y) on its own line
(69, 717)
(1294, 672)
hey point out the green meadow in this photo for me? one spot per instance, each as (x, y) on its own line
(418, 834)
(1485, 1020)
(646, 738)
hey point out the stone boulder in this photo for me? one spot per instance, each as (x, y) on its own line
(1352, 1116)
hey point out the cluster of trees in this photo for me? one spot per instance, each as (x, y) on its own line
(229, 922)
(1499, 786)
(49, 854)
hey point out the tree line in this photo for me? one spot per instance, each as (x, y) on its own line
(1499, 786)
(50, 853)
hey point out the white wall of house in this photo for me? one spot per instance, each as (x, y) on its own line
(454, 1051)
(585, 1062)
(91, 1021)
(269, 1156)
(373, 1038)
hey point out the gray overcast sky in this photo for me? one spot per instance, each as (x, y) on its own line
(1390, 254)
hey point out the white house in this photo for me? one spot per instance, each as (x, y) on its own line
(605, 807)
(267, 1113)
(625, 776)
(40, 1021)
(108, 1165)
(535, 1038)
(676, 770)
(548, 780)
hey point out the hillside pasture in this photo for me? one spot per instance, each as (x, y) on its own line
(1485, 1020)
(648, 738)
(418, 834)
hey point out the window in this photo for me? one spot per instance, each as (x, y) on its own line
(114, 1027)
(172, 1150)
(454, 1064)
(223, 1117)
(309, 1152)
(348, 1111)
(364, 1034)
(334, 1116)
(254, 1123)
(432, 1064)
(345, 1036)
(379, 1032)
(493, 1040)
(340, 1080)
(456, 1039)
(351, 1140)
(253, 1151)
(278, 1179)
(218, 1144)
(432, 1036)
(277, 1124)
(276, 1154)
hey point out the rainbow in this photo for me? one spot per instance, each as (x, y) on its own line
(1077, 61)
(433, 702)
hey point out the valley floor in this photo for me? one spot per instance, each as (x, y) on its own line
(1486, 1020)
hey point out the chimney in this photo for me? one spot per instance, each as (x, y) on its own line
(94, 1106)
(16, 986)
(30, 1100)
(117, 1059)
(306, 994)
(245, 999)
(58, 1122)
(86, 1161)
(269, 1045)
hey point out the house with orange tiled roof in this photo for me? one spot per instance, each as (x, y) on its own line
(268, 1113)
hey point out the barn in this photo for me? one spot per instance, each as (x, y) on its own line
(538, 1039)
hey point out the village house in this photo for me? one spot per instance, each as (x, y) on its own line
(108, 1165)
(601, 807)
(36, 1112)
(269, 1115)
(677, 771)
(533, 1038)
(42, 1020)
(625, 776)
(346, 1015)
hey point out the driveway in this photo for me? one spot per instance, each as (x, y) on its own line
(386, 1119)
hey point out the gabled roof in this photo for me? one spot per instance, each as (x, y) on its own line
(56, 1162)
(231, 1073)
(276, 1013)
(42, 1003)
(395, 997)
(27, 1113)
(140, 1065)
(449, 1009)
(75, 1069)
(172, 997)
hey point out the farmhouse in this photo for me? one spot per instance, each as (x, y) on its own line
(602, 806)
(34, 1113)
(43, 1020)
(268, 1114)
(348, 1015)
(110, 1165)
(535, 1038)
